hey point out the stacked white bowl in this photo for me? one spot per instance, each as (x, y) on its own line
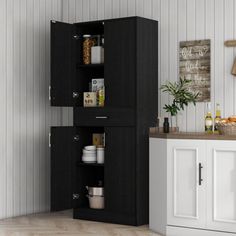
(89, 154)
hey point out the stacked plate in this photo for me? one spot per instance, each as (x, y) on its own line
(89, 154)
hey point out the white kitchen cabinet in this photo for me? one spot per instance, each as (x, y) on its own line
(193, 187)
(185, 191)
(221, 191)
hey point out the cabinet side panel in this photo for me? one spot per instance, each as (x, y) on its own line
(157, 185)
(146, 105)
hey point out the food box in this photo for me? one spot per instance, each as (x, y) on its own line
(90, 99)
(98, 139)
(97, 84)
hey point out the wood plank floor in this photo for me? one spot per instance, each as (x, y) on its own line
(61, 223)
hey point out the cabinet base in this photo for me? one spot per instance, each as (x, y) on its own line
(180, 231)
(103, 216)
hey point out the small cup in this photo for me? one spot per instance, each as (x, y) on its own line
(100, 155)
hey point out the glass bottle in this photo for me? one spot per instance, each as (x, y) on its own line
(217, 118)
(208, 120)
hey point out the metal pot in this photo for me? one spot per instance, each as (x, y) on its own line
(95, 191)
(96, 202)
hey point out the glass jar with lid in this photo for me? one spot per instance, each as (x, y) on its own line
(88, 42)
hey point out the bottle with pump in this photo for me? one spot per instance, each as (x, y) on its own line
(209, 120)
(217, 118)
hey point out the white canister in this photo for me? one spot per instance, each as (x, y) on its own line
(100, 155)
(97, 55)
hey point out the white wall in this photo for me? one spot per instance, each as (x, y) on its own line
(179, 20)
(26, 114)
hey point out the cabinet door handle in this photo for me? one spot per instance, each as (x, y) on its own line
(75, 95)
(49, 93)
(101, 117)
(49, 140)
(200, 173)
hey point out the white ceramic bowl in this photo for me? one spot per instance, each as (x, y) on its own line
(89, 158)
(90, 148)
(93, 152)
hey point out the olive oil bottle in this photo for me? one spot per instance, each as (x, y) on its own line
(217, 118)
(208, 120)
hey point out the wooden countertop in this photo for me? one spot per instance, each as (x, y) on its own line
(189, 135)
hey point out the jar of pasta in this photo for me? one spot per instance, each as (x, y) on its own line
(88, 42)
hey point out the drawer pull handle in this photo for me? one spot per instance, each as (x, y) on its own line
(200, 174)
(101, 117)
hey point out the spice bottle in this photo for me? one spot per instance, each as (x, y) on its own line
(166, 126)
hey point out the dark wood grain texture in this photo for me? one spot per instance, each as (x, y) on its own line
(120, 62)
(61, 168)
(120, 176)
(131, 79)
(63, 64)
(104, 116)
(146, 108)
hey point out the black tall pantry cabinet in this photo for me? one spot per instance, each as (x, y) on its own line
(130, 73)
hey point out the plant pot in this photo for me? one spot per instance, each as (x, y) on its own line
(174, 129)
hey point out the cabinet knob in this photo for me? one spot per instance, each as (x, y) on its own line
(75, 95)
(75, 196)
(76, 138)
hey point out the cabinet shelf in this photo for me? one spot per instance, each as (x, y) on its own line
(89, 66)
(90, 164)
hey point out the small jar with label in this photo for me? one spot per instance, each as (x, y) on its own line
(88, 43)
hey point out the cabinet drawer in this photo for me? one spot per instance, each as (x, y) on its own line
(103, 116)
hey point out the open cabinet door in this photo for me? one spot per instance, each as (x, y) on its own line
(63, 86)
(63, 150)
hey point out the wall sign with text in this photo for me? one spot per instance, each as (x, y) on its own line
(195, 65)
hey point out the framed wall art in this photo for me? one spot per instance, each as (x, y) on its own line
(195, 65)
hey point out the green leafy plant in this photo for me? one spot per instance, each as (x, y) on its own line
(181, 96)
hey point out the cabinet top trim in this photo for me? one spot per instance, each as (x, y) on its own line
(189, 135)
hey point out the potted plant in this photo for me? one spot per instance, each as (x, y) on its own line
(181, 97)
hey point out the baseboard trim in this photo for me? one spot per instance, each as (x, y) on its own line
(181, 231)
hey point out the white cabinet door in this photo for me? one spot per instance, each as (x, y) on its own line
(186, 193)
(221, 190)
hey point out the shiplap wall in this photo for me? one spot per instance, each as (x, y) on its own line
(179, 20)
(25, 112)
